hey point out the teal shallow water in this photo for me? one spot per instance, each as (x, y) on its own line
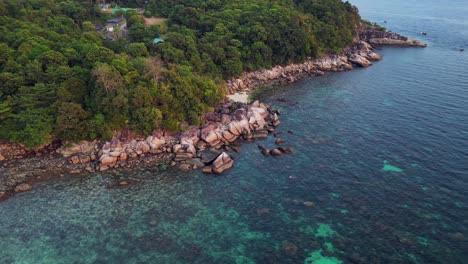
(381, 152)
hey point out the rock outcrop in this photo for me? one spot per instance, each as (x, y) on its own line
(222, 163)
(387, 38)
(360, 54)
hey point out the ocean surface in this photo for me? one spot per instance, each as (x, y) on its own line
(379, 174)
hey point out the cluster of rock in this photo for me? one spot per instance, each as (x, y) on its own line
(276, 151)
(379, 37)
(9, 151)
(360, 54)
(200, 146)
(204, 147)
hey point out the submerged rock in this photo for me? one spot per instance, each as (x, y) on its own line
(23, 187)
(289, 248)
(276, 152)
(287, 150)
(185, 167)
(279, 141)
(123, 183)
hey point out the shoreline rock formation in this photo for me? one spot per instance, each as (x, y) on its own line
(202, 147)
(360, 54)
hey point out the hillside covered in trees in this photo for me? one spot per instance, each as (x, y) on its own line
(59, 79)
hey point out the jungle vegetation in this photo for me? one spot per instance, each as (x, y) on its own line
(60, 80)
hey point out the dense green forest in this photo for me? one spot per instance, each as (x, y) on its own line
(59, 79)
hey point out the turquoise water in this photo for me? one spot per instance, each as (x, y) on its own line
(379, 175)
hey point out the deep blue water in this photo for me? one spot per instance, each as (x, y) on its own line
(409, 111)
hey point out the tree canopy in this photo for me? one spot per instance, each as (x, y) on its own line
(59, 79)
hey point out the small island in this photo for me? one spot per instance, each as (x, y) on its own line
(88, 86)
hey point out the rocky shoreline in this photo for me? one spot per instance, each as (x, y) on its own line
(205, 146)
(360, 54)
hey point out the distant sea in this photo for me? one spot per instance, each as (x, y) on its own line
(379, 174)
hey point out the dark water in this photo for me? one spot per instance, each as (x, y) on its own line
(381, 152)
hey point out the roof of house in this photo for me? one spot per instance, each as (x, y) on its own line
(116, 20)
(157, 40)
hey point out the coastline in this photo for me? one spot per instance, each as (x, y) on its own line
(204, 146)
(360, 54)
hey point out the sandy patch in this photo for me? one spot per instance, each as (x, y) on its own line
(242, 97)
(154, 21)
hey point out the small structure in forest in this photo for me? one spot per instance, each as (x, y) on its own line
(157, 41)
(118, 22)
(115, 28)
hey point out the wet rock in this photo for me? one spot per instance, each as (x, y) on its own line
(195, 162)
(207, 170)
(123, 183)
(276, 152)
(279, 141)
(287, 150)
(185, 167)
(222, 163)
(289, 248)
(23, 187)
(75, 171)
(265, 152)
(236, 148)
(207, 156)
(262, 211)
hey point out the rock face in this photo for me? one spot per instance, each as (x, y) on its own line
(222, 163)
(378, 37)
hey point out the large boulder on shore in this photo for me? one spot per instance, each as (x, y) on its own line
(359, 60)
(222, 163)
(108, 160)
(208, 156)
